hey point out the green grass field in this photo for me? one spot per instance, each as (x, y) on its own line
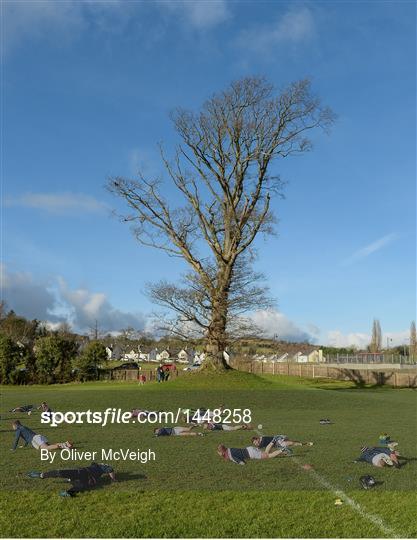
(190, 492)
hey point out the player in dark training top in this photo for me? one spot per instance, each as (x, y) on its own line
(81, 479)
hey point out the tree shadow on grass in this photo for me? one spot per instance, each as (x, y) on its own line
(354, 376)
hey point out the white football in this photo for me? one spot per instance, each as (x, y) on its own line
(260, 426)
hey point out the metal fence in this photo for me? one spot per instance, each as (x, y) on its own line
(371, 358)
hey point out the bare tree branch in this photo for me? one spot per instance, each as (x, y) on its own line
(221, 173)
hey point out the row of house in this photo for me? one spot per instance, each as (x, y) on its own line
(309, 355)
(183, 356)
(190, 356)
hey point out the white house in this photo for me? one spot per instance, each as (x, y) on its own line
(183, 357)
(312, 355)
(132, 355)
(164, 355)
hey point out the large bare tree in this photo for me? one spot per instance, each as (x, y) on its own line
(221, 170)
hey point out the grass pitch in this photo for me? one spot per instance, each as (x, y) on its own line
(190, 492)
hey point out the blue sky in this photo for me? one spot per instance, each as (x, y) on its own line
(87, 89)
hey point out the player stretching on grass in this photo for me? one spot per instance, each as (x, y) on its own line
(45, 409)
(379, 456)
(36, 440)
(23, 409)
(81, 479)
(277, 441)
(175, 431)
(213, 426)
(240, 455)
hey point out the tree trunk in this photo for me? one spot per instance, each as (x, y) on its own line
(216, 337)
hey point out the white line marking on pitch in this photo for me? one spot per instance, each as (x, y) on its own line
(376, 520)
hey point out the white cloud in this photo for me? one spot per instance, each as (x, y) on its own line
(273, 323)
(293, 27)
(58, 203)
(61, 21)
(25, 296)
(53, 301)
(369, 249)
(64, 21)
(336, 338)
(86, 307)
(199, 14)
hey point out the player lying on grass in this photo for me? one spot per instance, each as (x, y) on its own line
(240, 455)
(213, 426)
(45, 409)
(23, 409)
(277, 441)
(379, 456)
(35, 439)
(81, 479)
(385, 440)
(175, 431)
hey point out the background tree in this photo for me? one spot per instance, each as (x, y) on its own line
(19, 329)
(127, 339)
(95, 331)
(54, 356)
(64, 329)
(222, 173)
(413, 339)
(89, 362)
(376, 339)
(9, 358)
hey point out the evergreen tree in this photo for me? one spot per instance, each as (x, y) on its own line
(413, 339)
(9, 358)
(54, 357)
(376, 340)
(91, 359)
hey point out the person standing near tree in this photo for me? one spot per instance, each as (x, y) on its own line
(167, 373)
